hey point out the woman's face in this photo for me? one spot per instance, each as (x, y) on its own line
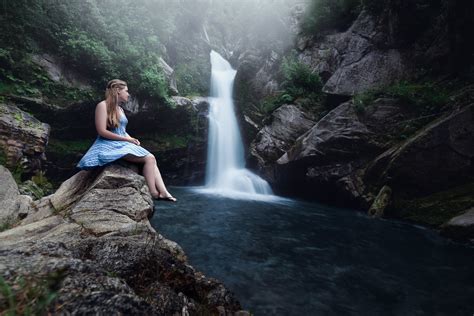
(123, 95)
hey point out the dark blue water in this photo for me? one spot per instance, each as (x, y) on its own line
(299, 258)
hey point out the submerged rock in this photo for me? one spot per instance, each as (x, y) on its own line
(381, 202)
(460, 227)
(94, 244)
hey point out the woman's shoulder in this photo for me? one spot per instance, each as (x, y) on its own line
(101, 104)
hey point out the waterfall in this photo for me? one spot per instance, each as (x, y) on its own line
(225, 171)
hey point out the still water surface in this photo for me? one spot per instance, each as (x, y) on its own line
(291, 257)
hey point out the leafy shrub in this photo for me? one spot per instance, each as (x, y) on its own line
(81, 49)
(299, 85)
(192, 78)
(28, 295)
(299, 79)
(425, 98)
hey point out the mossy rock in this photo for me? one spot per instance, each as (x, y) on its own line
(434, 209)
(67, 147)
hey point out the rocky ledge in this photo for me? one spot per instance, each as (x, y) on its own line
(89, 249)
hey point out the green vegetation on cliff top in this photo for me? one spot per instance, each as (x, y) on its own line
(99, 40)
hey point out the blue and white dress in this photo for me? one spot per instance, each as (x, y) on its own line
(105, 151)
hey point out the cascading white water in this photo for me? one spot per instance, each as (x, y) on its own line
(225, 170)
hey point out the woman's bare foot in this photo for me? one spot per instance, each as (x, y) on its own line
(168, 197)
(163, 197)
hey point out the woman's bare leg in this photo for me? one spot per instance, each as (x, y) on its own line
(152, 176)
(149, 164)
(160, 185)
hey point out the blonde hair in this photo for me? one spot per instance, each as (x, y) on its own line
(111, 101)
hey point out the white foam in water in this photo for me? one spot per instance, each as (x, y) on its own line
(225, 172)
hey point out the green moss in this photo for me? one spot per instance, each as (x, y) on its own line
(166, 142)
(18, 117)
(31, 80)
(7, 224)
(300, 86)
(437, 208)
(421, 97)
(37, 187)
(66, 147)
(17, 172)
(363, 100)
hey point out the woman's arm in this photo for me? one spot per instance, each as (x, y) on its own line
(136, 141)
(101, 125)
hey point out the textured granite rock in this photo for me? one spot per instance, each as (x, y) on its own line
(91, 244)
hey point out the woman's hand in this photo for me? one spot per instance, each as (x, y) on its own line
(133, 141)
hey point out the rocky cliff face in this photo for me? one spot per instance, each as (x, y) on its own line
(91, 248)
(355, 157)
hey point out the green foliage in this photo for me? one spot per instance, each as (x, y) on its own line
(5, 226)
(24, 77)
(362, 100)
(423, 98)
(167, 141)
(17, 172)
(190, 78)
(424, 101)
(325, 15)
(66, 147)
(99, 39)
(270, 103)
(41, 184)
(285, 98)
(299, 79)
(28, 295)
(153, 81)
(82, 49)
(300, 85)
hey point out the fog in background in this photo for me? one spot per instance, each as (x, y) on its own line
(232, 25)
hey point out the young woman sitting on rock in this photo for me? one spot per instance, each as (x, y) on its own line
(114, 143)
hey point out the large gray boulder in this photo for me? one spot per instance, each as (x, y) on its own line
(59, 72)
(345, 134)
(438, 157)
(283, 127)
(356, 60)
(13, 206)
(91, 245)
(23, 138)
(329, 157)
